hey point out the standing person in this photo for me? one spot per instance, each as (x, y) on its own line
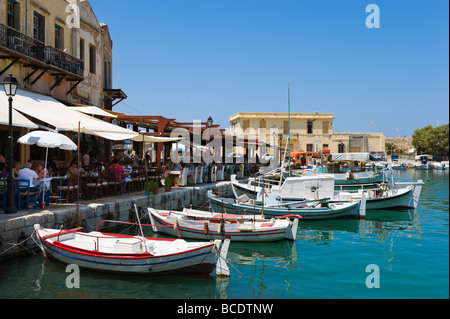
(117, 172)
(86, 159)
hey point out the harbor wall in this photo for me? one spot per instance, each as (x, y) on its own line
(16, 230)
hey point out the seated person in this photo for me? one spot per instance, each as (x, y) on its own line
(42, 174)
(73, 169)
(17, 167)
(167, 167)
(27, 173)
(117, 171)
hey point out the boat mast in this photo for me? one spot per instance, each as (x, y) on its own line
(289, 127)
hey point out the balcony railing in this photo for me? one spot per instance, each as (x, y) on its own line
(25, 45)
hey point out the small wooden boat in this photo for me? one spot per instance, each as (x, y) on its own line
(198, 224)
(132, 254)
(308, 209)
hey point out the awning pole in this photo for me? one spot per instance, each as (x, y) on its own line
(78, 165)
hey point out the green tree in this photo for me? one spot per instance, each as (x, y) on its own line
(429, 140)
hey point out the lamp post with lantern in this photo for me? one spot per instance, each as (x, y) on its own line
(10, 85)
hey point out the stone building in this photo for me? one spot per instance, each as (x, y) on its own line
(59, 49)
(309, 132)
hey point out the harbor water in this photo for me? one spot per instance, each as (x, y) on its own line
(390, 254)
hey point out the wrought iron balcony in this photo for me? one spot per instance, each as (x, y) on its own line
(24, 45)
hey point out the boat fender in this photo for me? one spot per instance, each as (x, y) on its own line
(205, 228)
(175, 223)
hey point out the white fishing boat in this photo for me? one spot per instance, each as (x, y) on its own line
(137, 255)
(422, 162)
(399, 166)
(130, 254)
(196, 224)
(385, 197)
(440, 166)
(307, 188)
(274, 206)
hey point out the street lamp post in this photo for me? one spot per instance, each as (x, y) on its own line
(10, 85)
(209, 123)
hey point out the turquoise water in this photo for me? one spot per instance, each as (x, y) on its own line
(410, 249)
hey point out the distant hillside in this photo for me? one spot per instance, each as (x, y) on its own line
(400, 143)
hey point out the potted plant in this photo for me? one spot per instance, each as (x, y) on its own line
(228, 173)
(151, 187)
(167, 184)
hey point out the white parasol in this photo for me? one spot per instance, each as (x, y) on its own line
(48, 140)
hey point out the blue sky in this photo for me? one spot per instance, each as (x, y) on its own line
(191, 59)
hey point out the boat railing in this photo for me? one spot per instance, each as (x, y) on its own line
(134, 224)
(97, 237)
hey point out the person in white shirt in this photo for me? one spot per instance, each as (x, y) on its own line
(27, 173)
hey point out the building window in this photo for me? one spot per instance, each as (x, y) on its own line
(82, 50)
(325, 127)
(13, 14)
(107, 74)
(262, 124)
(341, 148)
(285, 127)
(92, 64)
(245, 124)
(38, 27)
(59, 37)
(310, 147)
(310, 127)
(325, 147)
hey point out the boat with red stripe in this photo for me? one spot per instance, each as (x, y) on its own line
(136, 255)
(197, 224)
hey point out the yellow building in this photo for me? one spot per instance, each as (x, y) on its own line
(57, 48)
(309, 132)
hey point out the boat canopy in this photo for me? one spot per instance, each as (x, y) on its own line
(351, 157)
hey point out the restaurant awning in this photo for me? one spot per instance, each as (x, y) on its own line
(49, 110)
(17, 118)
(155, 139)
(92, 110)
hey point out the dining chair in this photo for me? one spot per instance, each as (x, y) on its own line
(24, 194)
(3, 193)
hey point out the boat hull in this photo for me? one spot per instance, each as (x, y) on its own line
(213, 231)
(201, 260)
(404, 198)
(340, 210)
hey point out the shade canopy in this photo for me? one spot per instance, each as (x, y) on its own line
(352, 157)
(92, 110)
(48, 139)
(17, 118)
(155, 139)
(49, 110)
